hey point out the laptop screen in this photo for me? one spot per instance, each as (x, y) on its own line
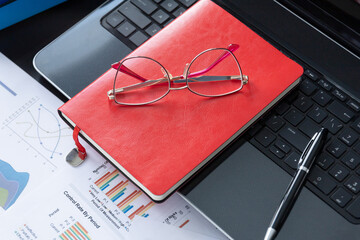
(338, 19)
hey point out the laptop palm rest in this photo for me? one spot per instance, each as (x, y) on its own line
(242, 194)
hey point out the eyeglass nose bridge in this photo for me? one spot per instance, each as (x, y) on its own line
(172, 79)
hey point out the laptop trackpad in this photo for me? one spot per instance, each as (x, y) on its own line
(242, 194)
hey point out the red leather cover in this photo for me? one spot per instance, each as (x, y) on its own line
(159, 144)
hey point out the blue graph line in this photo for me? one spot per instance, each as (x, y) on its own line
(8, 89)
(53, 151)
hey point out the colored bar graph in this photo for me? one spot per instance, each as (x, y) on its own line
(75, 232)
(130, 200)
(105, 180)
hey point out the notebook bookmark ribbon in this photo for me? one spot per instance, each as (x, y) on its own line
(76, 155)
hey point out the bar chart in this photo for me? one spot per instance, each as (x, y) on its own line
(75, 232)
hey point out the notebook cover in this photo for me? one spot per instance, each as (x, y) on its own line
(159, 146)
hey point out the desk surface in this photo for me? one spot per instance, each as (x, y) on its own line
(21, 42)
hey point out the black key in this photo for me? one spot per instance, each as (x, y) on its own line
(152, 29)
(353, 184)
(325, 84)
(340, 95)
(336, 148)
(277, 152)
(275, 123)
(126, 28)
(282, 146)
(254, 129)
(179, 11)
(351, 159)
(311, 74)
(340, 111)
(114, 19)
(294, 117)
(160, 16)
(354, 208)
(157, 1)
(322, 98)
(356, 125)
(265, 137)
(303, 103)
(317, 114)
(294, 136)
(145, 5)
(321, 180)
(282, 108)
(187, 3)
(339, 172)
(292, 160)
(168, 21)
(357, 148)
(348, 137)
(354, 105)
(341, 197)
(309, 127)
(134, 14)
(169, 5)
(325, 161)
(138, 38)
(307, 87)
(333, 125)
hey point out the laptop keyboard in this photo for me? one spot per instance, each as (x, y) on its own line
(285, 131)
(135, 21)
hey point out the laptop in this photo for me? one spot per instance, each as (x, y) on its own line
(241, 189)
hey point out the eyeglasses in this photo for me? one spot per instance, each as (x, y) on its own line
(142, 80)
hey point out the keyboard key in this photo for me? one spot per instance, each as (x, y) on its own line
(357, 148)
(322, 98)
(317, 114)
(325, 161)
(311, 74)
(134, 14)
(339, 172)
(325, 84)
(169, 5)
(353, 184)
(340, 111)
(351, 159)
(303, 103)
(340, 95)
(336, 148)
(307, 87)
(275, 123)
(168, 21)
(292, 160)
(309, 127)
(354, 105)
(356, 125)
(114, 19)
(187, 3)
(348, 137)
(126, 28)
(321, 180)
(282, 146)
(179, 11)
(294, 136)
(282, 108)
(277, 152)
(354, 208)
(146, 5)
(333, 125)
(341, 197)
(294, 117)
(160, 16)
(152, 29)
(265, 137)
(138, 38)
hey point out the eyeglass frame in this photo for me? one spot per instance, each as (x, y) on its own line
(185, 77)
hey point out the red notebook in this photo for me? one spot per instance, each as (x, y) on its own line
(161, 145)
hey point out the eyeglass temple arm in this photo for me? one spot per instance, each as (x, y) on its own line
(231, 48)
(127, 71)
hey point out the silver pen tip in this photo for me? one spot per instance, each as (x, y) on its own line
(270, 234)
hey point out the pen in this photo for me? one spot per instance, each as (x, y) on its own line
(306, 160)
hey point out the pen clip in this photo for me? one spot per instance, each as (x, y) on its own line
(306, 150)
